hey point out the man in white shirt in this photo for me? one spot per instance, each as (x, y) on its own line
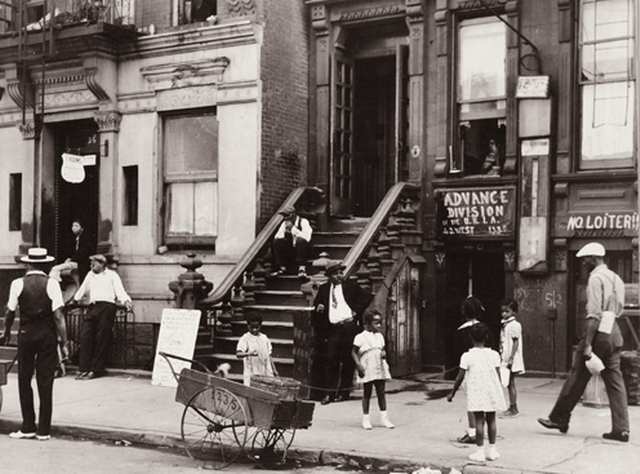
(104, 288)
(41, 324)
(338, 305)
(292, 243)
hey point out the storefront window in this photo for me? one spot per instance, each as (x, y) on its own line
(607, 83)
(481, 96)
(190, 179)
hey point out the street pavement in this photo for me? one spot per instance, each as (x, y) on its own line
(126, 408)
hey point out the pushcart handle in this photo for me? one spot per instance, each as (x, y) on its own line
(168, 356)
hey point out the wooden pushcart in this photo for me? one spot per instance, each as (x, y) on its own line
(223, 418)
(8, 355)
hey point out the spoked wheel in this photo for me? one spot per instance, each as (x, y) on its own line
(214, 427)
(270, 447)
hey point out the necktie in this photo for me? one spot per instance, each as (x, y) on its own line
(334, 300)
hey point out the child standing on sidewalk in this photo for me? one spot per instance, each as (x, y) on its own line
(484, 392)
(254, 348)
(511, 351)
(373, 371)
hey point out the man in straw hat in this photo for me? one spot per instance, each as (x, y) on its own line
(602, 338)
(292, 243)
(338, 306)
(41, 324)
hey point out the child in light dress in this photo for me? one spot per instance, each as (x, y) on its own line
(373, 371)
(484, 391)
(511, 352)
(254, 348)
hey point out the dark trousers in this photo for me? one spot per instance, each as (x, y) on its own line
(340, 366)
(608, 347)
(37, 351)
(285, 254)
(96, 336)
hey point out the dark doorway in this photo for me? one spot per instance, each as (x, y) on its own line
(476, 272)
(374, 132)
(76, 200)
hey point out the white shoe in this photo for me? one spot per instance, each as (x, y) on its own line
(20, 435)
(43, 437)
(384, 420)
(366, 422)
(478, 456)
(492, 454)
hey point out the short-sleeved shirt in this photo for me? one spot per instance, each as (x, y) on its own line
(510, 332)
(53, 291)
(605, 292)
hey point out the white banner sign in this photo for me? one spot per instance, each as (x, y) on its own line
(72, 168)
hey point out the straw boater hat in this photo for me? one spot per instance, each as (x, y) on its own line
(37, 255)
(592, 249)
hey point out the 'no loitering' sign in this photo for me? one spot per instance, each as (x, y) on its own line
(477, 213)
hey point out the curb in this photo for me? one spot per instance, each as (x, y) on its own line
(319, 457)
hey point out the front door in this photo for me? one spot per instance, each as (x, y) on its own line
(368, 123)
(76, 200)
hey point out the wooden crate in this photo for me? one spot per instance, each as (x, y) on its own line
(7, 356)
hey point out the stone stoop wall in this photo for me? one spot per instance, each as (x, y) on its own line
(285, 112)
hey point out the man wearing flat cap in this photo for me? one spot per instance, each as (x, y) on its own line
(292, 243)
(104, 288)
(602, 338)
(337, 319)
(41, 324)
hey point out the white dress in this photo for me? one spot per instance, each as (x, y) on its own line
(370, 346)
(259, 365)
(484, 391)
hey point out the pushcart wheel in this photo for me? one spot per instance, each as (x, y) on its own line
(270, 447)
(214, 427)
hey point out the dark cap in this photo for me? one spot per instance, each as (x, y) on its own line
(333, 267)
(287, 210)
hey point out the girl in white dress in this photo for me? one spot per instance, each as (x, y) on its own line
(484, 391)
(373, 371)
(254, 348)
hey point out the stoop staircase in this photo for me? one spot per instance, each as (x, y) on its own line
(377, 253)
(283, 299)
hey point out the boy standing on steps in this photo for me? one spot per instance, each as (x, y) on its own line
(511, 351)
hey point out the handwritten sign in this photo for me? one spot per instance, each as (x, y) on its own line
(178, 332)
(533, 87)
(471, 213)
(604, 221)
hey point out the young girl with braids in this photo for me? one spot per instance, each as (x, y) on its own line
(373, 371)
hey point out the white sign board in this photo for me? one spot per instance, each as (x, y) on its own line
(72, 170)
(533, 87)
(178, 333)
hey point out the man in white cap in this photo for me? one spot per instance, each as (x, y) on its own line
(104, 288)
(41, 324)
(605, 302)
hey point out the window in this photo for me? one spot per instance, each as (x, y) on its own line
(607, 83)
(481, 96)
(15, 201)
(193, 11)
(130, 175)
(190, 150)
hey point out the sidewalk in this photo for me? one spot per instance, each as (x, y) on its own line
(129, 408)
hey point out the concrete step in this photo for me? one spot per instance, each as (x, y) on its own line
(273, 329)
(335, 251)
(333, 238)
(280, 313)
(282, 348)
(280, 298)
